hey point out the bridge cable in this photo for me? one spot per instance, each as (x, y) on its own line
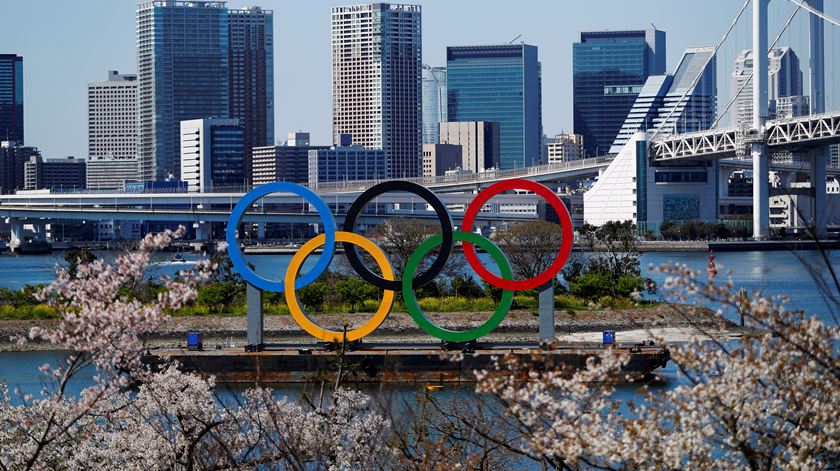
(702, 69)
(750, 77)
(815, 12)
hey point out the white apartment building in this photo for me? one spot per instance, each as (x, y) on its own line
(112, 116)
(565, 148)
(110, 173)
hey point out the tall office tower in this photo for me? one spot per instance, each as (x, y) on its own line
(13, 158)
(479, 141)
(211, 154)
(251, 76)
(112, 116)
(376, 64)
(565, 148)
(11, 98)
(50, 174)
(672, 102)
(784, 80)
(609, 70)
(502, 84)
(182, 68)
(434, 103)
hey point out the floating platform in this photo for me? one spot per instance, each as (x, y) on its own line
(394, 363)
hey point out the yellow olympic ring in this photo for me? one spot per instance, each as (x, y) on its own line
(300, 316)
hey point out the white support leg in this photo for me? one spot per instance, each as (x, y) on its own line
(820, 217)
(761, 192)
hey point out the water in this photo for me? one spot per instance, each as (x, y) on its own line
(772, 272)
(780, 272)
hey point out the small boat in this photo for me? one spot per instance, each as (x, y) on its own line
(178, 258)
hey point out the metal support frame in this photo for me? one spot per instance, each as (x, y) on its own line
(546, 312)
(256, 342)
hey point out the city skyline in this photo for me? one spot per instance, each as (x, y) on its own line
(56, 114)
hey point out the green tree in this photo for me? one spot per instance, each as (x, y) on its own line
(314, 295)
(219, 294)
(531, 247)
(354, 292)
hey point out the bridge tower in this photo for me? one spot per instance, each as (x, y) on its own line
(816, 43)
(758, 149)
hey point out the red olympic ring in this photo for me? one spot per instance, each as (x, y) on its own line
(565, 245)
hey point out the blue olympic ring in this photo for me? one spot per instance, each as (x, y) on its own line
(236, 217)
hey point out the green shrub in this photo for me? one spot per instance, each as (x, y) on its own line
(312, 296)
(525, 302)
(219, 294)
(606, 301)
(627, 284)
(591, 286)
(369, 305)
(466, 287)
(276, 309)
(354, 292)
(455, 304)
(29, 311)
(566, 301)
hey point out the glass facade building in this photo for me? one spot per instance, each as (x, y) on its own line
(182, 68)
(11, 98)
(503, 84)
(609, 70)
(434, 103)
(347, 163)
(251, 76)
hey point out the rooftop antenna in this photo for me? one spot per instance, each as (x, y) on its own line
(654, 26)
(514, 39)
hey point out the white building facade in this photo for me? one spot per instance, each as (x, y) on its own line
(212, 154)
(112, 116)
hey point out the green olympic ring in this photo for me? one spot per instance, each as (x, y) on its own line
(410, 299)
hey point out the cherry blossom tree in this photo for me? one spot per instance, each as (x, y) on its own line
(135, 418)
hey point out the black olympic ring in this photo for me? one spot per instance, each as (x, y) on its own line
(445, 227)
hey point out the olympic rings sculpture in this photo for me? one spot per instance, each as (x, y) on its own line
(387, 281)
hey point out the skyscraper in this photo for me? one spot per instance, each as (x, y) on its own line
(434, 103)
(784, 80)
(182, 67)
(11, 98)
(112, 116)
(609, 70)
(376, 64)
(499, 83)
(251, 76)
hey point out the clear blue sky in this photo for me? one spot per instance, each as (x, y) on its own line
(66, 44)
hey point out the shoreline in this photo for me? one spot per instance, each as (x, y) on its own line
(674, 323)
